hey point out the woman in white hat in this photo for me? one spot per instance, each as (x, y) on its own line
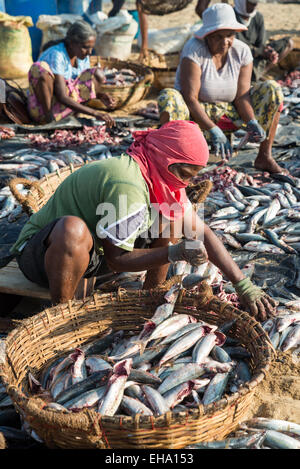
(213, 86)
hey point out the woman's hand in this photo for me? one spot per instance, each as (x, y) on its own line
(144, 55)
(271, 55)
(104, 117)
(255, 131)
(191, 251)
(220, 142)
(255, 299)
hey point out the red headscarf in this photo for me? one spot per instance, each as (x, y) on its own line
(156, 150)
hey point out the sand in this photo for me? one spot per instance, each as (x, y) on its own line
(278, 395)
(284, 19)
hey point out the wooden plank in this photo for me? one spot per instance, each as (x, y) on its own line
(13, 282)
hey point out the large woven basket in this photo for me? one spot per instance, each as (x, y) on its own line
(124, 96)
(164, 68)
(57, 330)
(163, 7)
(41, 191)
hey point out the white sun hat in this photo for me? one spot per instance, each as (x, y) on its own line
(219, 16)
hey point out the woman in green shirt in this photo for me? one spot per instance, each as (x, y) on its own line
(101, 209)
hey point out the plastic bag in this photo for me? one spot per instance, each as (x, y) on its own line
(55, 27)
(115, 36)
(166, 41)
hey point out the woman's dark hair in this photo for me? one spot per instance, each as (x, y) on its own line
(78, 32)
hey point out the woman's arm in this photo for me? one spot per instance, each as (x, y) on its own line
(60, 93)
(190, 82)
(242, 101)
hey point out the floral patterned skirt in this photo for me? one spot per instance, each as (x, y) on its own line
(81, 90)
(266, 99)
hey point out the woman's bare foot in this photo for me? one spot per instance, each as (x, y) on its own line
(270, 165)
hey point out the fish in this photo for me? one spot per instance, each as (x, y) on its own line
(94, 363)
(8, 206)
(96, 379)
(213, 366)
(144, 377)
(231, 443)
(274, 424)
(204, 346)
(192, 280)
(86, 400)
(183, 343)
(115, 388)
(292, 339)
(187, 372)
(78, 371)
(177, 394)
(283, 322)
(99, 345)
(227, 213)
(258, 246)
(237, 352)
(132, 406)
(279, 440)
(171, 325)
(215, 389)
(220, 354)
(155, 400)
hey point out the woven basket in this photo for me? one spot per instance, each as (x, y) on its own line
(124, 95)
(60, 329)
(163, 7)
(164, 68)
(41, 191)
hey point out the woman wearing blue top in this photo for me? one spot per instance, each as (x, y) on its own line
(62, 80)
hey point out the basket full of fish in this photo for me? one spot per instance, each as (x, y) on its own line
(148, 369)
(126, 83)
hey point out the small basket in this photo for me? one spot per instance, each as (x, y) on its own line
(124, 96)
(58, 330)
(163, 7)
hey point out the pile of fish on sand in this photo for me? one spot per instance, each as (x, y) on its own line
(175, 363)
(259, 433)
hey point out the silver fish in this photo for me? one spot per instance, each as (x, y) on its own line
(169, 326)
(156, 400)
(78, 370)
(182, 344)
(274, 424)
(272, 211)
(204, 346)
(87, 399)
(279, 440)
(94, 363)
(176, 395)
(115, 388)
(215, 389)
(292, 339)
(258, 246)
(132, 406)
(283, 322)
(187, 372)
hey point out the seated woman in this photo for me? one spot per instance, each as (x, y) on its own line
(62, 80)
(213, 86)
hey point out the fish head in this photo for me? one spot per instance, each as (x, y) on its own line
(220, 338)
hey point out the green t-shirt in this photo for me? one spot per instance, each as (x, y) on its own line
(111, 196)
